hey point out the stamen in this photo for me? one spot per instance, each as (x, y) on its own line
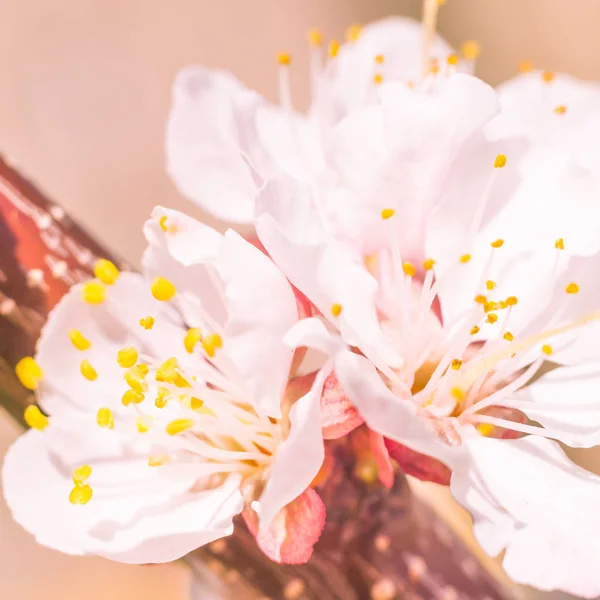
(162, 289)
(35, 418)
(315, 37)
(508, 336)
(147, 322)
(106, 271)
(79, 340)
(162, 398)
(525, 66)
(497, 243)
(474, 330)
(334, 48)
(158, 460)
(409, 269)
(456, 364)
(143, 424)
(547, 349)
(336, 310)
(284, 59)
(387, 213)
(379, 59)
(28, 372)
(559, 244)
(492, 318)
(560, 110)
(132, 397)
(93, 292)
(465, 258)
(512, 301)
(163, 223)
(548, 76)
(127, 357)
(104, 418)
(485, 429)
(80, 494)
(81, 474)
(87, 370)
(470, 49)
(500, 161)
(353, 32)
(572, 288)
(211, 342)
(378, 79)
(490, 285)
(178, 426)
(428, 264)
(453, 60)
(192, 337)
(135, 378)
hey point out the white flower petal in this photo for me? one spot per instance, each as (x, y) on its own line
(567, 401)
(261, 307)
(109, 327)
(137, 513)
(289, 476)
(184, 254)
(387, 413)
(553, 506)
(327, 273)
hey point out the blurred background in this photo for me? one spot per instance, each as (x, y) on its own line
(85, 95)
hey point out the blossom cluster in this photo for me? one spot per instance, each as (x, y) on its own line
(432, 241)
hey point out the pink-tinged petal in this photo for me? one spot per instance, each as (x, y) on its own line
(525, 495)
(261, 308)
(385, 468)
(338, 415)
(388, 414)
(291, 535)
(289, 476)
(418, 465)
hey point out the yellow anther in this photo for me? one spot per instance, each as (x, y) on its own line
(490, 285)
(441, 2)
(210, 344)
(147, 322)
(106, 271)
(525, 66)
(104, 418)
(409, 269)
(560, 110)
(491, 305)
(387, 213)
(127, 357)
(379, 59)
(500, 161)
(434, 66)
(572, 288)
(378, 78)
(196, 403)
(79, 340)
(497, 243)
(87, 370)
(284, 59)
(453, 60)
(512, 301)
(470, 49)
(162, 289)
(93, 292)
(28, 372)
(143, 424)
(132, 397)
(135, 378)
(485, 429)
(353, 32)
(559, 244)
(81, 474)
(456, 364)
(481, 299)
(336, 310)
(192, 337)
(457, 393)
(162, 398)
(143, 369)
(35, 418)
(547, 349)
(157, 460)
(334, 48)
(80, 494)
(167, 371)
(508, 336)
(548, 76)
(179, 425)
(492, 317)
(465, 258)
(163, 223)
(315, 37)
(474, 330)
(428, 264)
